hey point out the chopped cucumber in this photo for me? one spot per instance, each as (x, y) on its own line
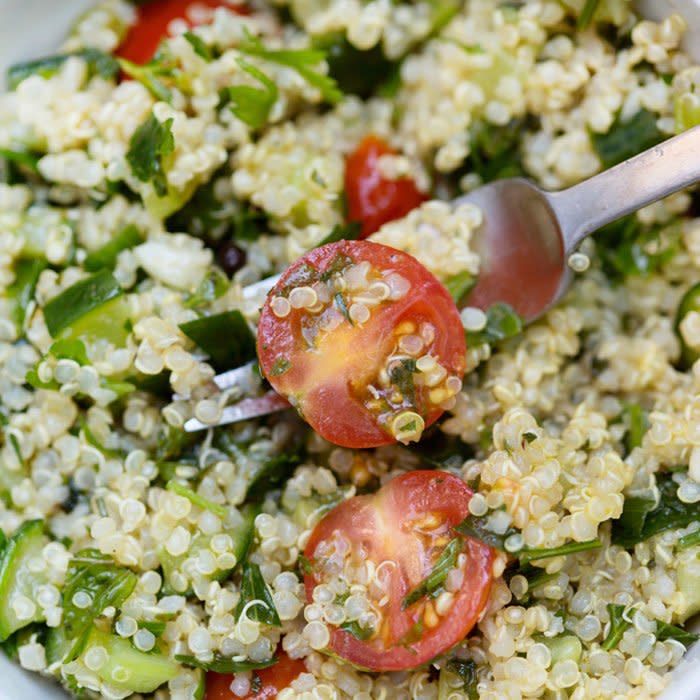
(17, 577)
(92, 308)
(308, 511)
(127, 668)
(242, 537)
(106, 256)
(688, 579)
(563, 647)
(690, 302)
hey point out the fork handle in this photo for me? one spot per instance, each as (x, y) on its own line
(653, 174)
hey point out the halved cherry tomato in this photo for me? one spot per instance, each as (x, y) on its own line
(272, 680)
(402, 529)
(372, 199)
(364, 342)
(152, 22)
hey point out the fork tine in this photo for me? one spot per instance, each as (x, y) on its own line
(243, 410)
(244, 377)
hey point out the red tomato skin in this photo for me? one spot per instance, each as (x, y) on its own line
(376, 523)
(372, 199)
(329, 404)
(272, 679)
(152, 22)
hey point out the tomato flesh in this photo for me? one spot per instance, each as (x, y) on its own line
(408, 522)
(271, 680)
(153, 20)
(354, 363)
(373, 199)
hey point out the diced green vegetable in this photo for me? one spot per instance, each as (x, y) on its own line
(618, 626)
(691, 540)
(200, 46)
(494, 151)
(225, 337)
(625, 139)
(250, 104)
(99, 63)
(21, 156)
(214, 285)
(459, 284)
(343, 232)
(254, 590)
(640, 521)
(563, 647)
(21, 291)
(446, 561)
(221, 664)
(690, 302)
(129, 669)
(527, 555)
(17, 576)
(149, 145)
(96, 578)
(465, 671)
(303, 61)
(637, 425)
(106, 256)
(151, 76)
(666, 631)
(502, 322)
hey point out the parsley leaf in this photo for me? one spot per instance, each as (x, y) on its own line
(625, 139)
(459, 284)
(214, 285)
(106, 255)
(199, 46)
(103, 583)
(466, 670)
(502, 322)
(254, 588)
(666, 631)
(250, 104)
(150, 75)
(354, 628)
(302, 61)
(637, 425)
(446, 561)
(272, 474)
(527, 555)
(586, 16)
(347, 232)
(476, 527)
(149, 144)
(618, 626)
(197, 500)
(222, 664)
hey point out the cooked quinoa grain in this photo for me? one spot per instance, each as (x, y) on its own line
(140, 555)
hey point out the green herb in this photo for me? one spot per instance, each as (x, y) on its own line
(106, 256)
(535, 578)
(225, 337)
(252, 105)
(627, 247)
(688, 541)
(356, 71)
(446, 561)
(196, 499)
(625, 139)
(67, 349)
(212, 287)
(458, 285)
(343, 232)
(666, 631)
(151, 75)
(401, 377)
(502, 322)
(494, 151)
(637, 425)
(155, 627)
(302, 61)
(690, 301)
(272, 474)
(149, 144)
(466, 670)
(106, 584)
(476, 527)
(91, 439)
(76, 301)
(527, 555)
(642, 519)
(586, 16)
(339, 301)
(354, 628)
(199, 46)
(23, 157)
(305, 565)
(618, 626)
(21, 291)
(254, 588)
(98, 62)
(222, 664)
(414, 634)
(280, 366)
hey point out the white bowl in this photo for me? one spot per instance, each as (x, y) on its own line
(31, 28)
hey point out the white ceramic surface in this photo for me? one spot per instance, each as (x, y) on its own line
(30, 28)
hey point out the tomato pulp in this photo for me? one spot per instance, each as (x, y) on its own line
(373, 199)
(364, 342)
(270, 680)
(153, 21)
(400, 533)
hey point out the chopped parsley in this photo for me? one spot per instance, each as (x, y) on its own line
(502, 322)
(149, 144)
(250, 104)
(254, 590)
(625, 139)
(466, 670)
(195, 499)
(223, 664)
(200, 46)
(446, 561)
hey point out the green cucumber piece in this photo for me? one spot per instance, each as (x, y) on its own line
(16, 577)
(106, 256)
(127, 668)
(563, 647)
(689, 302)
(242, 538)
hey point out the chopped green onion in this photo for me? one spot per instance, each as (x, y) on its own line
(586, 16)
(200, 47)
(618, 626)
(222, 664)
(527, 555)
(446, 561)
(196, 499)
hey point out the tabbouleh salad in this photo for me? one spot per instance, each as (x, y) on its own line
(462, 506)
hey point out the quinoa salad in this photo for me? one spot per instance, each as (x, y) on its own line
(451, 504)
